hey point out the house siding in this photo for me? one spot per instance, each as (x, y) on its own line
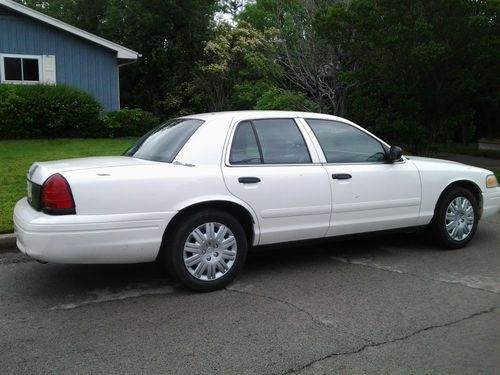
(79, 63)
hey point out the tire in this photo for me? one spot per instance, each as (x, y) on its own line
(206, 251)
(455, 219)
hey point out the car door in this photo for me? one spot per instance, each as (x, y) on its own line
(269, 166)
(368, 192)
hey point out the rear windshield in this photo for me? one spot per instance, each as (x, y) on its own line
(164, 142)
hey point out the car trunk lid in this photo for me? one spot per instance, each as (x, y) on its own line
(40, 171)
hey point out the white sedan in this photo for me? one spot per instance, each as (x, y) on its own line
(198, 191)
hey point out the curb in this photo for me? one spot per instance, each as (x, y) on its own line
(7, 242)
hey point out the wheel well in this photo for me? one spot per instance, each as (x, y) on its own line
(469, 185)
(240, 213)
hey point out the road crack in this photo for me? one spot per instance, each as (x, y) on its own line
(319, 322)
(398, 339)
(462, 281)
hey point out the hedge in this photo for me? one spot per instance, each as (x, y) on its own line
(129, 122)
(43, 111)
(47, 111)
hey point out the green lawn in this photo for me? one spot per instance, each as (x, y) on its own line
(17, 156)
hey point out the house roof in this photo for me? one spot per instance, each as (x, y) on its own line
(123, 53)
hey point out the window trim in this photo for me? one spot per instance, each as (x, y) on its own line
(382, 144)
(251, 120)
(20, 56)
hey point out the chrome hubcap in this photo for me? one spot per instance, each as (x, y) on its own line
(459, 218)
(210, 251)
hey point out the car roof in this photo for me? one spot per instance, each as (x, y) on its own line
(241, 115)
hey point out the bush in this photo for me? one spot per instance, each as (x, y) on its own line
(46, 111)
(129, 122)
(279, 99)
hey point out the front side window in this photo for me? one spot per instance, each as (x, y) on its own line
(164, 142)
(20, 69)
(269, 141)
(343, 143)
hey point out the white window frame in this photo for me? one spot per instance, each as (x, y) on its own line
(18, 56)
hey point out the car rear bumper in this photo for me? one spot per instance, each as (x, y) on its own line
(86, 239)
(491, 202)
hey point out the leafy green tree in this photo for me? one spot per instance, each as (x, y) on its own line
(310, 62)
(421, 68)
(280, 99)
(169, 35)
(236, 68)
(85, 14)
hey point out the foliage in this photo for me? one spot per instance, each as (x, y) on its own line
(18, 155)
(279, 99)
(416, 72)
(169, 35)
(44, 111)
(423, 73)
(497, 173)
(86, 14)
(236, 67)
(129, 122)
(310, 63)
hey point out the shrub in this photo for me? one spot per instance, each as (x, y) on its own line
(129, 122)
(279, 99)
(46, 111)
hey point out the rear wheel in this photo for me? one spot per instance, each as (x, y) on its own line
(206, 251)
(456, 218)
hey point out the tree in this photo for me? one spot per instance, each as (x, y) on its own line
(279, 99)
(311, 63)
(420, 66)
(236, 68)
(168, 34)
(85, 14)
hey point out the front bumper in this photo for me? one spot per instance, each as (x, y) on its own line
(491, 202)
(89, 239)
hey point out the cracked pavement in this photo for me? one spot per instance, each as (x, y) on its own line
(389, 304)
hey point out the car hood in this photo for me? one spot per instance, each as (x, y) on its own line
(40, 171)
(454, 169)
(418, 159)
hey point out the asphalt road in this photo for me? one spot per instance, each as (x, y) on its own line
(392, 304)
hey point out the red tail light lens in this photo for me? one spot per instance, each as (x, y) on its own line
(57, 198)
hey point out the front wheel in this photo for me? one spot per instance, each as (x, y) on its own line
(207, 250)
(456, 218)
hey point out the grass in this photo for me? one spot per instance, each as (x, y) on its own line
(497, 173)
(16, 156)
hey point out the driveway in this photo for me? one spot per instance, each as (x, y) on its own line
(392, 304)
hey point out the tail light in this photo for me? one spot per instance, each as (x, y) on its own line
(57, 198)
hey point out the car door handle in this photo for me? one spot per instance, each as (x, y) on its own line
(341, 176)
(248, 180)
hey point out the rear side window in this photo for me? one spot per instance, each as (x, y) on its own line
(245, 149)
(164, 142)
(343, 143)
(272, 141)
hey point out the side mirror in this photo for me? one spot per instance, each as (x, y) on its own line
(395, 153)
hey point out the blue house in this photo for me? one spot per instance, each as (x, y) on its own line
(36, 48)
